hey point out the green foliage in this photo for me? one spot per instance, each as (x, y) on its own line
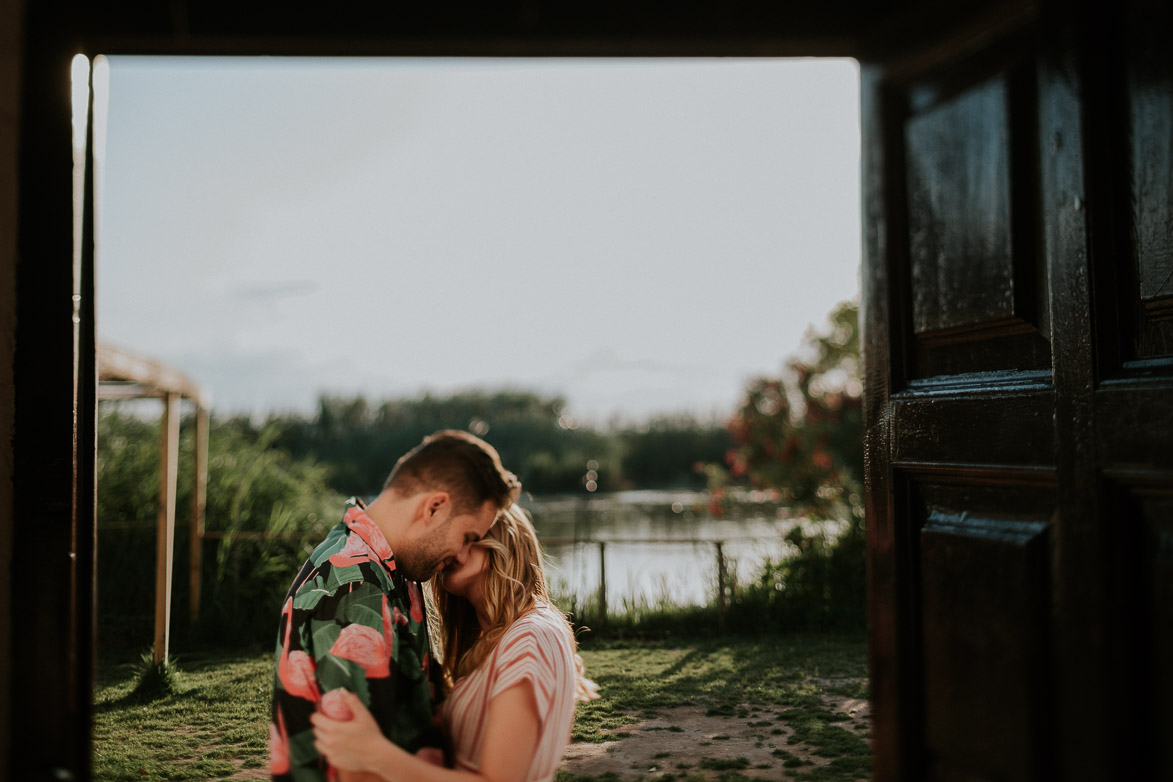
(253, 487)
(155, 680)
(665, 453)
(801, 434)
(820, 587)
(360, 441)
(638, 618)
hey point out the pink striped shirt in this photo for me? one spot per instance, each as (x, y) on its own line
(536, 649)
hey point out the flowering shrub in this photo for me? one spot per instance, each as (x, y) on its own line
(801, 434)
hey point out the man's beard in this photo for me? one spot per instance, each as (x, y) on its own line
(423, 559)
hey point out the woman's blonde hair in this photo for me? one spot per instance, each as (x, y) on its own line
(514, 583)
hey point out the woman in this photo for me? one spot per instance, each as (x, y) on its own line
(509, 657)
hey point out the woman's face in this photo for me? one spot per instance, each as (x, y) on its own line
(459, 577)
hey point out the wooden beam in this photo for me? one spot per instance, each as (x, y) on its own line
(118, 364)
(126, 389)
(605, 28)
(199, 503)
(164, 550)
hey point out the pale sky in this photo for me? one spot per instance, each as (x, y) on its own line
(639, 236)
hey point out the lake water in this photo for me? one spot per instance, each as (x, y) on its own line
(660, 546)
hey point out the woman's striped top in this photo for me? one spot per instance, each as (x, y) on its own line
(539, 650)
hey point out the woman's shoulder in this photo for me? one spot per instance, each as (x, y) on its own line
(543, 622)
(542, 615)
(538, 646)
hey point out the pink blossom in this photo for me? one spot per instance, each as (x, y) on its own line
(417, 603)
(365, 646)
(334, 706)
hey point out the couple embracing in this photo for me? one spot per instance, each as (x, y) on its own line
(358, 695)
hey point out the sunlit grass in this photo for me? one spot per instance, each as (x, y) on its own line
(215, 721)
(212, 723)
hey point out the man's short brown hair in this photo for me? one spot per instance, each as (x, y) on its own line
(459, 463)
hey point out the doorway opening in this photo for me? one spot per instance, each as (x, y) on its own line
(621, 246)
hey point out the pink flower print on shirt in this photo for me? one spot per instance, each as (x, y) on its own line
(365, 646)
(355, 551)
(389, 627)
(295, 670)
(297, 676)
(417, 603)
(362, 525)
(278, 747)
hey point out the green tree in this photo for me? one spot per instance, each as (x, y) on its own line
(360, 441)
(665, 451)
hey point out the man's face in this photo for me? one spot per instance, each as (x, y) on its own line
(443, 541)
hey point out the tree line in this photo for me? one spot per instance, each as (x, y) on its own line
(358, 441)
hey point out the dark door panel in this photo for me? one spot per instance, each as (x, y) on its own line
(1003, 428)
(1149, 284)
(975, 278)
(1130, 419)
(1018, 310)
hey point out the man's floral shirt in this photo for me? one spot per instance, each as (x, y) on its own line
(350, 620)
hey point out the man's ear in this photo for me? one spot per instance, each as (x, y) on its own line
(436, 507)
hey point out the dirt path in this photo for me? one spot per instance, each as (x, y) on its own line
(688, 742)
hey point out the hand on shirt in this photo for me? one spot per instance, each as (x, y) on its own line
(356, 743)
(352, 744)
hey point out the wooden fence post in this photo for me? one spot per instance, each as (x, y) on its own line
(602, 583)
(199, 503)
(722, 579)
(164, 550)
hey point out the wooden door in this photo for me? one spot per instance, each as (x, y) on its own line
(1018, 326)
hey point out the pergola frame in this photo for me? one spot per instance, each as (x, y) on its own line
(124, 375)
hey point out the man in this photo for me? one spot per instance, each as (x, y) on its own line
(354, 616)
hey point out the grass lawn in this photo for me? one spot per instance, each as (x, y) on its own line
(215, 726)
